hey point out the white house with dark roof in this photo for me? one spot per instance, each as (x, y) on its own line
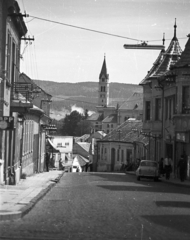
(122, 147)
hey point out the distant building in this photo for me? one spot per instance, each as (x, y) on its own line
(109, 117)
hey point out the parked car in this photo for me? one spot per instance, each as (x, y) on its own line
(148, 169)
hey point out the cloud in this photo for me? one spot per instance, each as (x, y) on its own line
(78, 109)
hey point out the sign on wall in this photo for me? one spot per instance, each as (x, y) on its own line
(6, 123)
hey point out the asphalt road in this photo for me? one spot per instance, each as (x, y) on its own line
(106, 206)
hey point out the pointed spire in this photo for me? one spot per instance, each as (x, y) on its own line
(175, 26)
(104, 68)
(163, 40)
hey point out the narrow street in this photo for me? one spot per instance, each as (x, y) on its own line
(106, 206)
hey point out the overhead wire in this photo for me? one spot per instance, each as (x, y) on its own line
(95, 31)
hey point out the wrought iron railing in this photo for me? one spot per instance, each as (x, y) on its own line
(23, 91)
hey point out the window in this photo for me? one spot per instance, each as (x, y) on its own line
(12, 57)
(169, 107)
(122, 155)
(118, 154)
(147, 110)
(186, 99)
(158, 109)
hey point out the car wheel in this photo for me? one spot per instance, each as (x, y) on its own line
(138, 178)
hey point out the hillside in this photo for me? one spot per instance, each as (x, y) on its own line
(83, 95)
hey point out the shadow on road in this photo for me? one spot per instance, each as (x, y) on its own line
(175, 204)
(122, 182)
(176, 222)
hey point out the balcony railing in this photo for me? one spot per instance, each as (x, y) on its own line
(23, 91)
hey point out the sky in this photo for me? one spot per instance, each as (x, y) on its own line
(63, 53)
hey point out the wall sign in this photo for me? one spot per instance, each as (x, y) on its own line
(182, 137)
(7, 123)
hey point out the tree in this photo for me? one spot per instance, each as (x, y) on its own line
(75, 124)
(70, 123)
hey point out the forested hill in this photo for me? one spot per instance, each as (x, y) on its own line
(84, 94)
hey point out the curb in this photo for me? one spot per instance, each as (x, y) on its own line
(19, 214)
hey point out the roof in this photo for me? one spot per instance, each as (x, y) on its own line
(82, 138)
(26, 78)
(95, 117)
(150, 73)
(165, 60)
(129, 131)
(104, 70)
(84, 145)
(112, 118)
(185, 56)
(135, 102)
(82, 160)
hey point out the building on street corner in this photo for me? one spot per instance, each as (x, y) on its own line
(166, 116)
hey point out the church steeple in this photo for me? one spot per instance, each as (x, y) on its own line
(103, 93)
(104, 69)
(175, 27)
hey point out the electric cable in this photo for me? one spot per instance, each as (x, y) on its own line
(95, 31)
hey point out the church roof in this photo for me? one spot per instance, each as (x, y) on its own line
(185, 56)
(112, 118)
(95, 117)
(104, 70)
(165, 60)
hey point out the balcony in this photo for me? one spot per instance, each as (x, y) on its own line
(22, 95)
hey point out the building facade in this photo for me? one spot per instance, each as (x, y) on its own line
(166, 103)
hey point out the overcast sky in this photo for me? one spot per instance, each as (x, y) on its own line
(66, 54)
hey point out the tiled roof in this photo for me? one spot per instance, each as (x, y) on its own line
(185, 56)
(134, 102)
(95, 117)
(165, 60)
(150, 73)
(112, 118)
(171, 56)
(82, 138)
(122, 132)
(84, 145)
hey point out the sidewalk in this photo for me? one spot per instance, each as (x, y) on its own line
(172, 180)
(17, 200)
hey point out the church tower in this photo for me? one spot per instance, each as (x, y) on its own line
(103, 92)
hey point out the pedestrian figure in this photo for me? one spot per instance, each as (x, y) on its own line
(161, 166)
(167, 167)
(182, 164)
(61, 167)
(47, 161)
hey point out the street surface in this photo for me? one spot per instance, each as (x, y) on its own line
(106, 206)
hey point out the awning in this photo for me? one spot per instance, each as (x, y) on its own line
(52, 146)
